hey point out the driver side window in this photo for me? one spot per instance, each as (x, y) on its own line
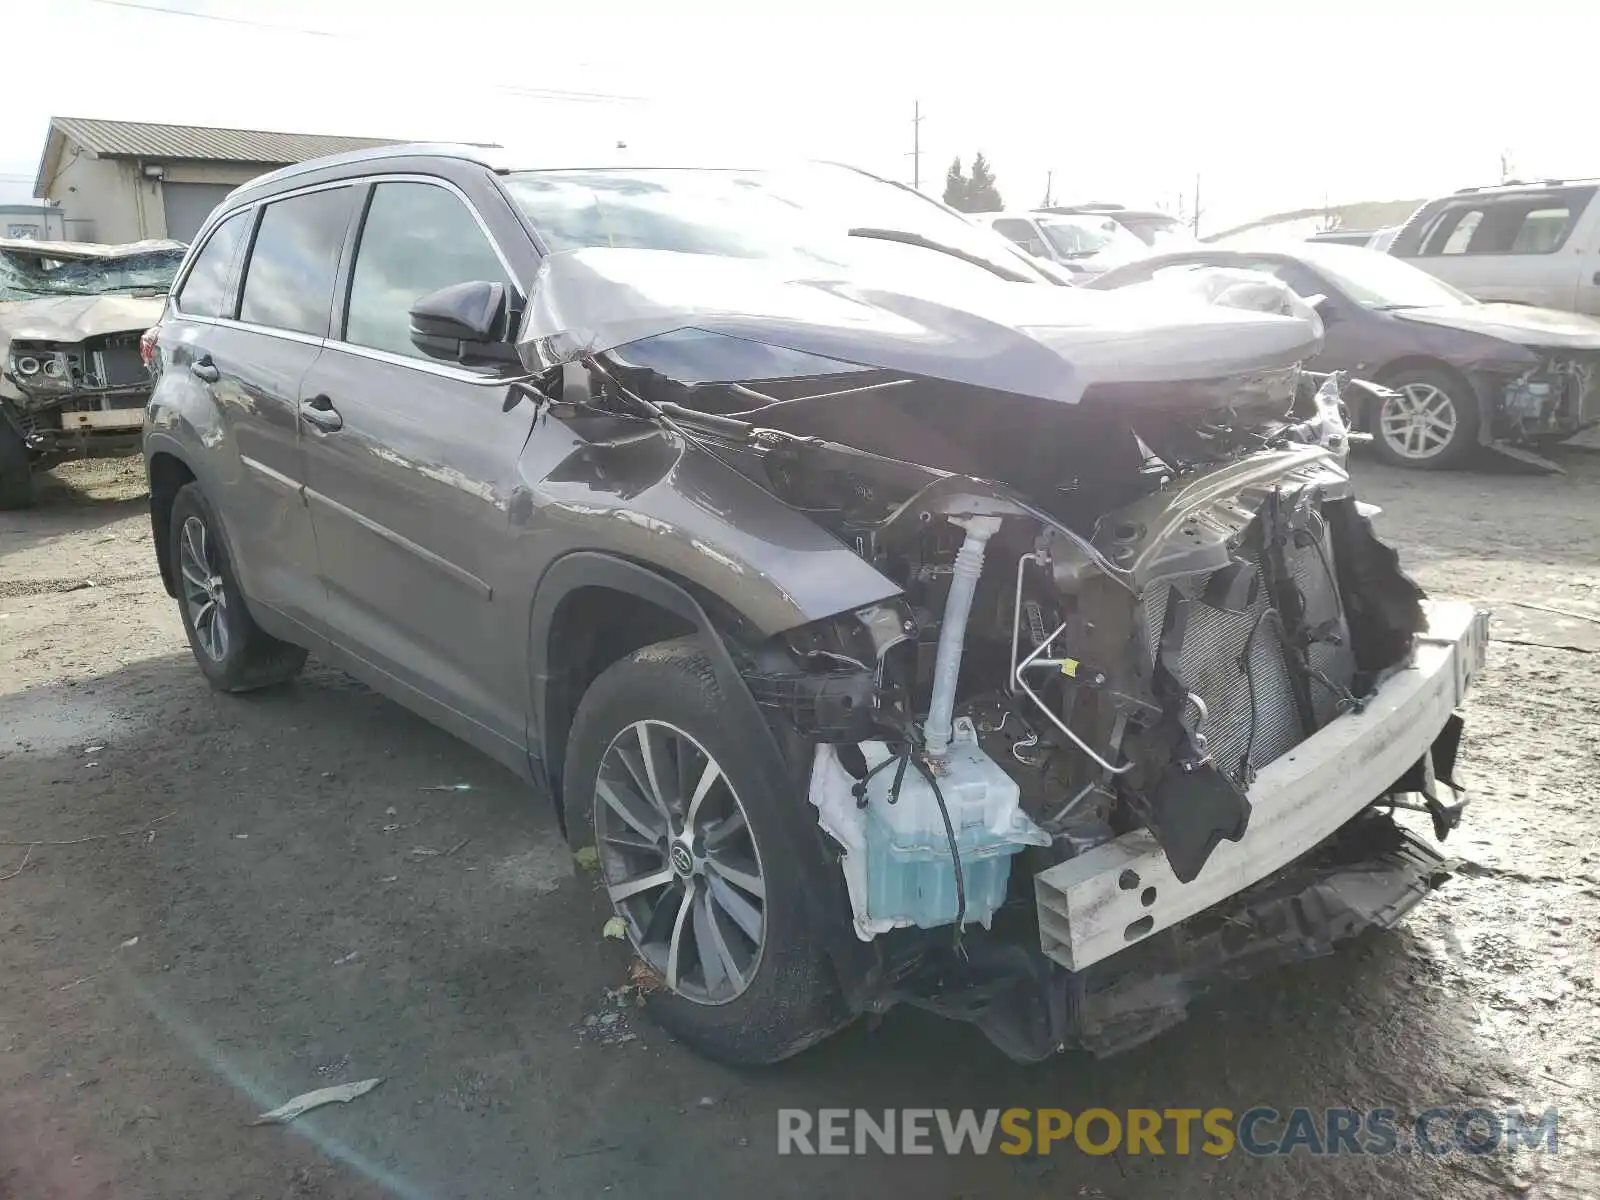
(416, 239)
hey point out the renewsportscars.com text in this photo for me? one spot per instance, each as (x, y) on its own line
(1259, 1131)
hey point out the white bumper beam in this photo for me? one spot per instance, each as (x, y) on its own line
(1092, 906)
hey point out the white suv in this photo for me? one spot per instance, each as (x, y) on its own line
(1525, 243)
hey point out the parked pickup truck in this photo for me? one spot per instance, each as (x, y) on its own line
(1528, 243)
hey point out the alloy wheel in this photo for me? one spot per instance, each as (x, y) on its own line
(680, 861)
(204, 595)
(1418, 421)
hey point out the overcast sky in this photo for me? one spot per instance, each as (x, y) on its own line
(1277, 104)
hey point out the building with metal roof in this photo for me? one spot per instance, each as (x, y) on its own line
(124, 181)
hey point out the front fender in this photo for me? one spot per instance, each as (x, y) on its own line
(646, 496)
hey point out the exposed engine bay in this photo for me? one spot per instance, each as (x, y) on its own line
(1132, 653)
(1114, 615)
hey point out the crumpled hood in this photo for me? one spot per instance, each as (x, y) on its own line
(1520, 323)
(73, 318)
(1029, 339)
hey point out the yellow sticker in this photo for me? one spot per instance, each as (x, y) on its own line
(1069, 666)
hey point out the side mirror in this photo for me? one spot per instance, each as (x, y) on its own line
(1326, 308)
(462, 323)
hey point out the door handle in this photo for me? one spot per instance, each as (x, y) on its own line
(319, 411)
(204, 368)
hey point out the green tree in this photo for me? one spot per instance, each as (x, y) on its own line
(955, 187)
(982, 195)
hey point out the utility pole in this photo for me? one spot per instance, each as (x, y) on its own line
(1194, 221)
(1049, 180)
(916, 145)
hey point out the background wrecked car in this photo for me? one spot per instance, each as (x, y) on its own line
(71, 316)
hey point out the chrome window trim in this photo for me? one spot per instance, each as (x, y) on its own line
(288, 335)
(186, 268)
(383, 356)
(449, 186)
(419, 364)
(331, 343)
(244, 208)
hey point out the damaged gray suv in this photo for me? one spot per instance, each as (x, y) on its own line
(896, 624)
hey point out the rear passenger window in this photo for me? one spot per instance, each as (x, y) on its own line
(289, 282)
(1541, 231)
(1461, 236)
(205, 292)
(417, 238)
(1539, 223)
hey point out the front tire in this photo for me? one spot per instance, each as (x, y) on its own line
(16, 472)
(699, 858)
(234, 653)
(1430, 424)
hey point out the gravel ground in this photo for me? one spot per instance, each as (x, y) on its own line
(249, 897)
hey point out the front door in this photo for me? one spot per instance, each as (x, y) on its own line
(410, 468)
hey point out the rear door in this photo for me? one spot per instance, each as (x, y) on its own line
(411, 468)
(1586, 245)
(250, 318)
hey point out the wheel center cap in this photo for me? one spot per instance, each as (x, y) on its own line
(682, 860)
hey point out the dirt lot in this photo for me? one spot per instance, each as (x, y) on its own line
(262, 895)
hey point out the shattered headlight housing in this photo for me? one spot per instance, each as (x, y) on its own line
(40, 368)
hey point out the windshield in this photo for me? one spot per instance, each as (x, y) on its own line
(1084, 237)
(1375, 280)
(800, 214)
(27, 277)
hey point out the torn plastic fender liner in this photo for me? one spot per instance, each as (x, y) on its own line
(1051, 343)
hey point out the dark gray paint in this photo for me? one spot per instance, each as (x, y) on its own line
(414, 527)
(409, 545)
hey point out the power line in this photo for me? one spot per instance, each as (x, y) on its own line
(531, 93)
(204, 16)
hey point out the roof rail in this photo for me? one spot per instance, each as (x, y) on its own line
(486, 155)
(1509, 183)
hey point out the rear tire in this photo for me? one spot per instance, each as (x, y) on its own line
(233, 652)
(1432, 426)
(749, 983)
(16, 471)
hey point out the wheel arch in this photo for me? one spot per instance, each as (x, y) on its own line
(167, 472)
(591, 609)
(648, 594)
